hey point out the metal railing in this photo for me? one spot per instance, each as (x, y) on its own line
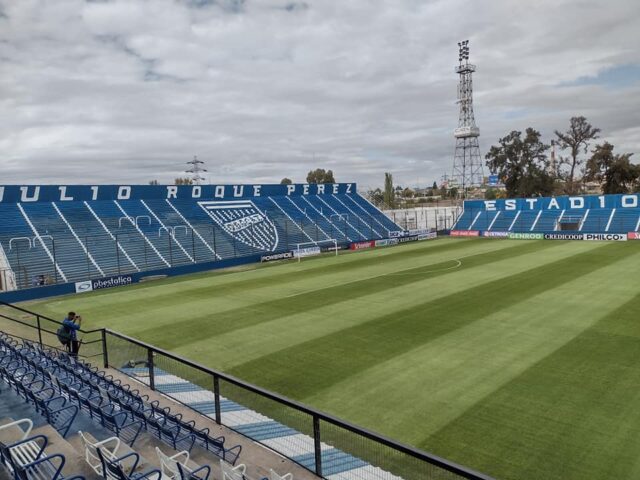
(41, 329)
(390, 459)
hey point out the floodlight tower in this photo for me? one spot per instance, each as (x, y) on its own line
(195, 168)
(467, 163)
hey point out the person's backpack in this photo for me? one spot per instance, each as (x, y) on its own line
(64, 335)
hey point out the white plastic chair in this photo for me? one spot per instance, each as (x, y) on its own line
(232, 473)
(274, 476)
(109, 449)
(17, 423)
(169, 465)
(26, 452)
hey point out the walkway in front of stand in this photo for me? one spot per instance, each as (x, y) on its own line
(336, 464)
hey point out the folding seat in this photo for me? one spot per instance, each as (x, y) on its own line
(177, 438)
(109, 448)
(274, 476)
(202, 473)
(113, 468)
(58, 412)
(93, 405)
(215, 445)
(27, 459)
(178, 466)
(119, 423)
(232, 473)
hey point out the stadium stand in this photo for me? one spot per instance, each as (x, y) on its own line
(596, 214)
(52, 235)
(175, 448)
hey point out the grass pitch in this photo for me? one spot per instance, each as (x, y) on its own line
(517, 358)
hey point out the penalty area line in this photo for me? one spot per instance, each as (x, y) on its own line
(453, 267)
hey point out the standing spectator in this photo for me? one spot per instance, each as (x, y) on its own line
(73, 346)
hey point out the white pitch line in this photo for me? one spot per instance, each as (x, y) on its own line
(387, 274)
(458, 265)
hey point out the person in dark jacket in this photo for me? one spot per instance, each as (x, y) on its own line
(72, 323)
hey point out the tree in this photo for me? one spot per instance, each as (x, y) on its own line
(615, 173)
(376, 196)
(286, 181)
(522, 163)
(490, 194)
(319, 175)
(183, 181)
(576, 139)
(434, 187)
(389, 192)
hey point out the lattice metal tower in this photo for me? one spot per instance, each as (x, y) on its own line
(467, 163)
(196, 167)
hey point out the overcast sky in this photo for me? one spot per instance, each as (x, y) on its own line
(127, 91)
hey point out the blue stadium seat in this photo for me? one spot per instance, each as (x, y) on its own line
(70, 241)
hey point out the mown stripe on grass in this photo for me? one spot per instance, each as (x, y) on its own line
(339, 355)
(435, 383)
(166, 293)
(230, 320)
(239, 346)
(573, 415)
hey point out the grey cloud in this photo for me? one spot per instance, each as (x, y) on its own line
(119, 91)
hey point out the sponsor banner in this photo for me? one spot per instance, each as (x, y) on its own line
(412, 238)
(427, 236)
(306, 252)
(362, 245)
(85, 286)
(464, 233)
(397, 233)
(607, 237)
(525, 236)
(563, 236)
(633, 236)
(332, 248)
(386, 242)
(495, 234)
(110, 282)
(419, 231)
(276, 256)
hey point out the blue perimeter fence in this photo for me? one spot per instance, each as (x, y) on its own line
(326, 445)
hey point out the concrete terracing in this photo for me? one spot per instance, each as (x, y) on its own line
(257, 457)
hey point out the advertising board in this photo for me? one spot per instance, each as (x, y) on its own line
(526, 236)
(276, 256)
(412, 238)
(386, 242)
(427, 236)
(362, 245)
(107, 282)
(607, 237)
(464, 233)
(563, 236)
(306, 252)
